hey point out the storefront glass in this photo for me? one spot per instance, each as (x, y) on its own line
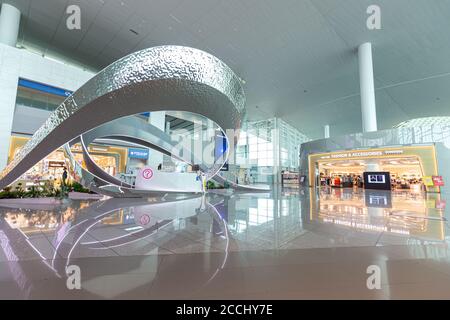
(110, 159)
(407, 166)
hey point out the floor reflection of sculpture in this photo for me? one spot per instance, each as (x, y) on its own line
(113, 224)
(90, 233)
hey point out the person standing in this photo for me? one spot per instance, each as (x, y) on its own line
(64, 177)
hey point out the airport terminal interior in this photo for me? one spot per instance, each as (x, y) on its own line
(224, 149)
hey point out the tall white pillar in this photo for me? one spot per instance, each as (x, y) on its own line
(372, 165)
(158, 119)
(276, 152)
(367, 88)
(326, 131)
(9, 24)
(198, 141)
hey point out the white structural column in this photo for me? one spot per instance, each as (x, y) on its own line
(326, 131)
(158, 119)
(276, 152)
(197, 140)
(372, 165)
(9, 24)
(367, 88)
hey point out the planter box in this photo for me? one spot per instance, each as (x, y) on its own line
(31, 203)
(84, 196)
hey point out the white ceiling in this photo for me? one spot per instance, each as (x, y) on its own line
(297, 57)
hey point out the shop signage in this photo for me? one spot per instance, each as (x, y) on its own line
(77, 148)
(138, 153)
(361, 154)
(56, 164)
(438, 181)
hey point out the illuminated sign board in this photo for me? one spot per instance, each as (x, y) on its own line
(376, 178)
(362, 154)
(138, 153)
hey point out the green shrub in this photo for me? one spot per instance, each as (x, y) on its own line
(6, 193)
(34, 192)
(46, 190)
(212, 185)
(77, 187)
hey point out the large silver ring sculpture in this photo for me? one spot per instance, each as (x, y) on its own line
(156, 79)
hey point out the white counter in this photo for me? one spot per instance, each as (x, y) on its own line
(149, 178)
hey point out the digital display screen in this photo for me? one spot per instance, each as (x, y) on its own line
(377, 178)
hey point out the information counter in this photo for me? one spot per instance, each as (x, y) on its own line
(149, 178)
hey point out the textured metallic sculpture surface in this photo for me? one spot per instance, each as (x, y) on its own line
(155, 79)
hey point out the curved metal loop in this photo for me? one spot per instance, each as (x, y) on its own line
(155, 79)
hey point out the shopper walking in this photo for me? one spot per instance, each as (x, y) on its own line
(64, 177)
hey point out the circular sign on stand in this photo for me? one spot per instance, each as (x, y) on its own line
(144, 219)
(147, 173)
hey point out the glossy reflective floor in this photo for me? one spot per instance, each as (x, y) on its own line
(287, 244)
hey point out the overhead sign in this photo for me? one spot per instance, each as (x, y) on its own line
(138, 153)
(44, 88)
(362, 154)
